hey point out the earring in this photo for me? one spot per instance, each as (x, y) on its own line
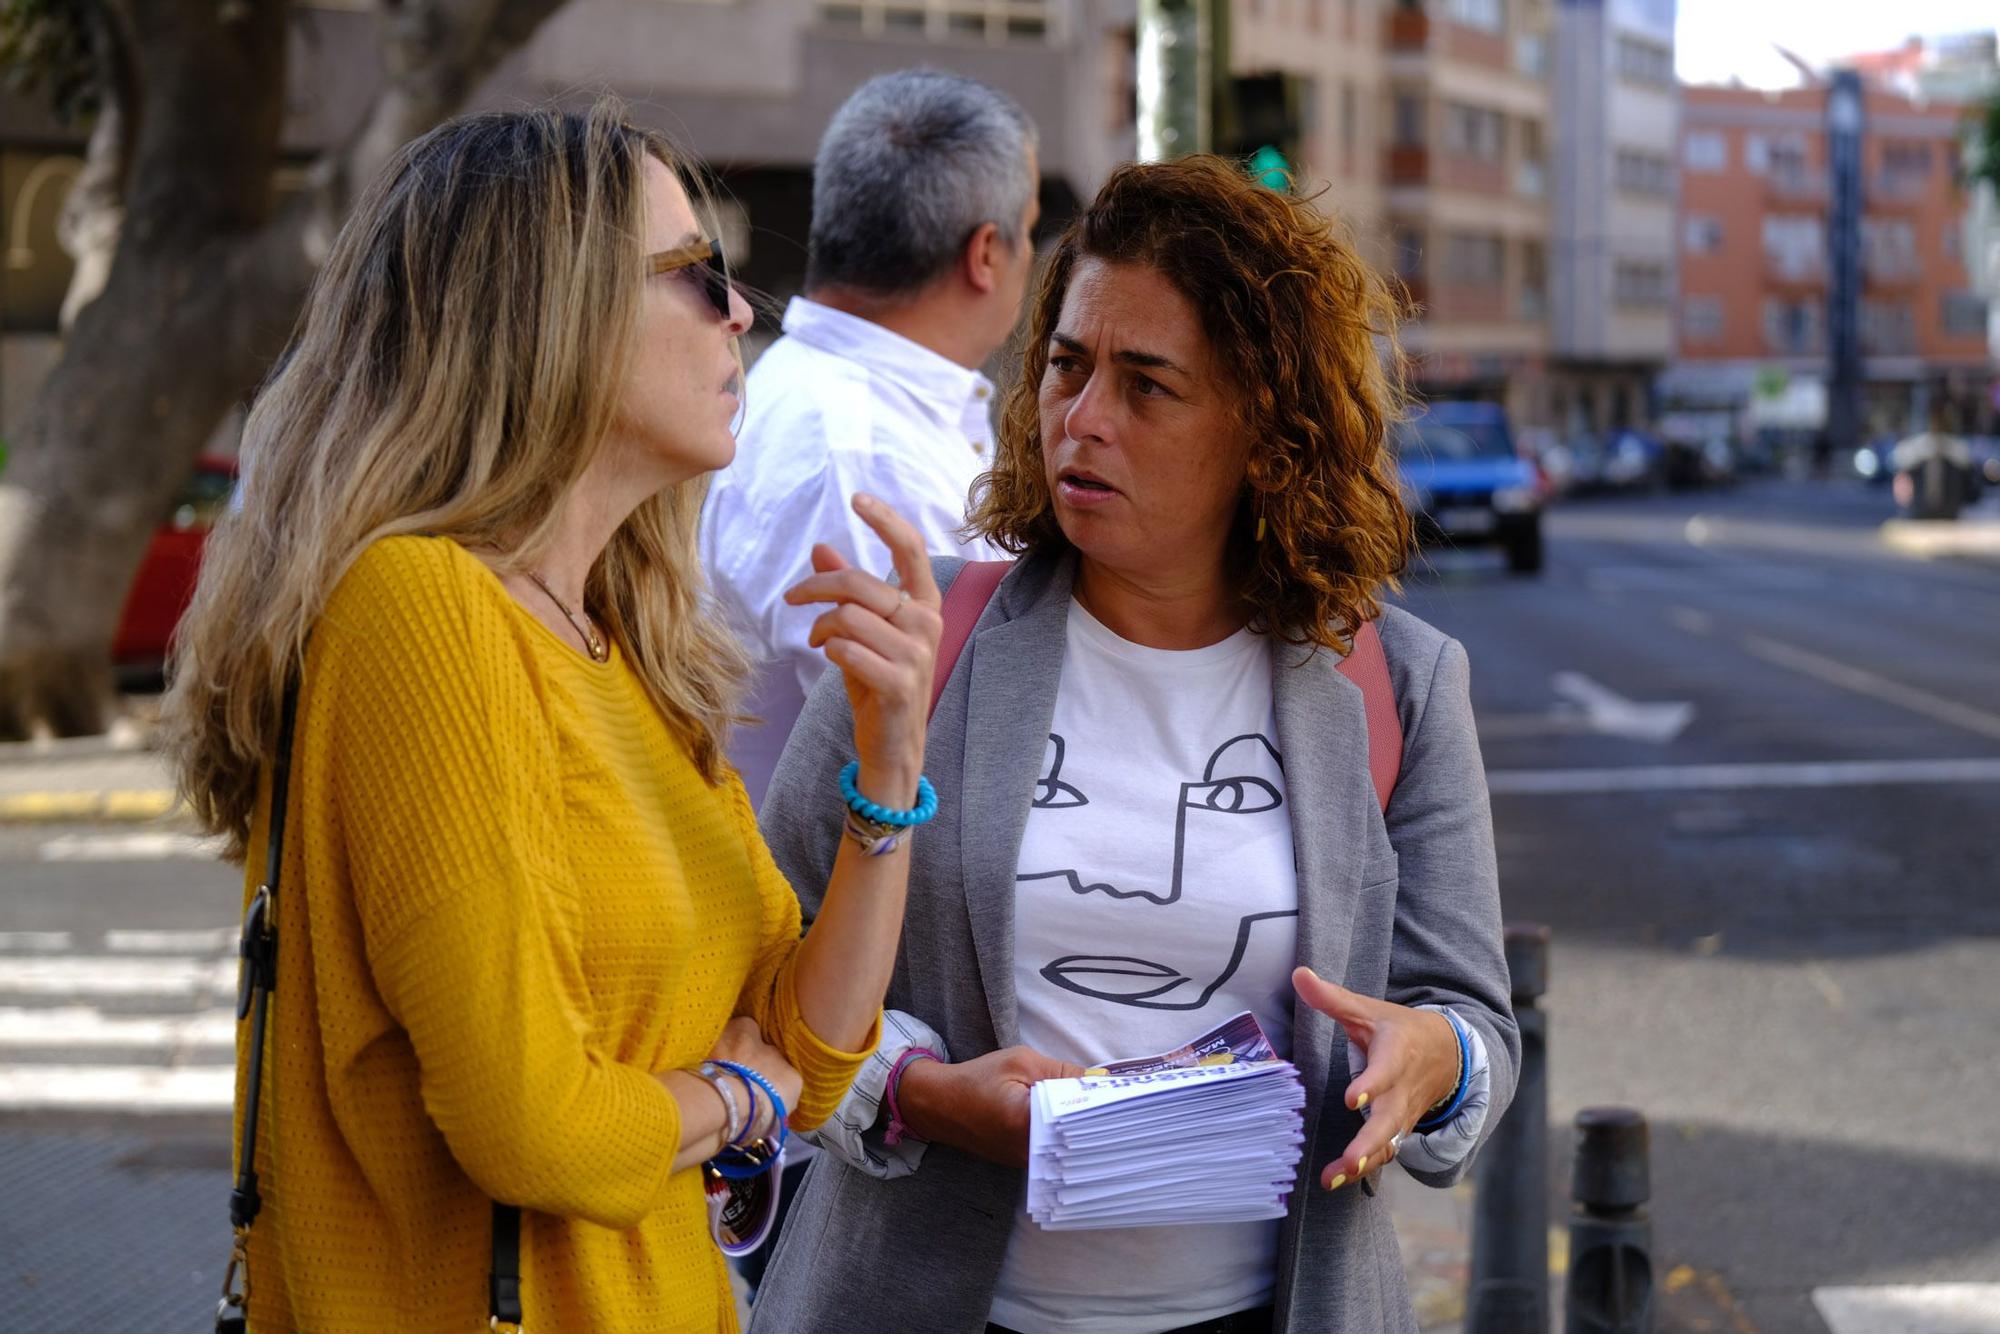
(1260, 527)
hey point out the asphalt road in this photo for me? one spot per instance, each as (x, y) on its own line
(1777, 933)
(1747, 768)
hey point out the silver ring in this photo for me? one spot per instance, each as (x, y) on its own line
(1396, 1142)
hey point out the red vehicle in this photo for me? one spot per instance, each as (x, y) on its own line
(165, 582)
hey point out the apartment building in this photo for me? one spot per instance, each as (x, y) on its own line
(1754, 262)
(1467, 183)
(1611, 275)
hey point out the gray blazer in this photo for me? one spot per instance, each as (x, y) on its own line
(1406, 908)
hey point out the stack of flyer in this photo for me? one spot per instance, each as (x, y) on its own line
(1208, 1133)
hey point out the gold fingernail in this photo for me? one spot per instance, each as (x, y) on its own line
(1361, 1166)
(1361, 1102)
(1337, 1182)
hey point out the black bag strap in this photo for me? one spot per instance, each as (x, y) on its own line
(257, 979)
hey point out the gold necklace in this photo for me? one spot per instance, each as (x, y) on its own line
(600, 651)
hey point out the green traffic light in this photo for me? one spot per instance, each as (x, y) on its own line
(1270, 168)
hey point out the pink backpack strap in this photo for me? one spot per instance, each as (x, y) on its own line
(1368, 667)
(964, 603)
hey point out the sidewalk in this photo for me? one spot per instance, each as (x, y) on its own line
(92, 778)
(1975, 535)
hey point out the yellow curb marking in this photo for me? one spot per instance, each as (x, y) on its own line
(123, 804)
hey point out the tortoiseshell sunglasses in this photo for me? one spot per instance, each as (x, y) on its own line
(713, 273)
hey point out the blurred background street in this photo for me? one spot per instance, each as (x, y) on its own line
(1746, 764)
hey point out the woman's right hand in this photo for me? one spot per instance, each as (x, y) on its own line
(743, 1042)
(884, 639)
(978, 1106)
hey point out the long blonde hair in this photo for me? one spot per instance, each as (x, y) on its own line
(454, 371)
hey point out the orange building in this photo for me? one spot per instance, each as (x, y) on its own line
(1754, 260)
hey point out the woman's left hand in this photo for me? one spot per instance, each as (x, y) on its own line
(884, 639)
(1411, 1063)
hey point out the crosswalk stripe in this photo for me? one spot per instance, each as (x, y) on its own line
(146, 1089)
(81, 1026)
(34, 942)
(1911, 1308)
(139, 847)
(171, 942)
(82, 975)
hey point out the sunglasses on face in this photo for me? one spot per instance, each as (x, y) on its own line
(712, 271)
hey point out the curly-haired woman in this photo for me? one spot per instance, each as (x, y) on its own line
(525, 903)
(1162, 804)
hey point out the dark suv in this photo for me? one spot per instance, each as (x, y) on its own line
(1467, 486)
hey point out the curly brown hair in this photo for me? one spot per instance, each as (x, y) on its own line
(1306, 329)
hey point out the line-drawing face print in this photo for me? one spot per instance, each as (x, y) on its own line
(1242, 777)
(1051, 793)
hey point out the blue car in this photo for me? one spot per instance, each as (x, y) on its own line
(1467, 486)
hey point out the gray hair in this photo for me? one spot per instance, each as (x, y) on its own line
(912, 165)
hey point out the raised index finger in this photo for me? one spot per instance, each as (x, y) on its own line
(906, 548)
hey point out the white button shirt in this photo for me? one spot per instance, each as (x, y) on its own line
(838, 405)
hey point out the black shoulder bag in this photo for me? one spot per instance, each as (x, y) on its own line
(257, 978)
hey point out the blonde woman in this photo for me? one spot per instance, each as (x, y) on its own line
(523, 895)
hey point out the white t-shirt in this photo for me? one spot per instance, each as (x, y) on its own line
(1156, 895)
(838, 405)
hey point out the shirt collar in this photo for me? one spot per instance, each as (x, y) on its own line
(955, 392)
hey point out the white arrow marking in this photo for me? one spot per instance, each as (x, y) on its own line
(1607, 712)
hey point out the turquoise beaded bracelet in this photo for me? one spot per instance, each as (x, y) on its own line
(925, 810)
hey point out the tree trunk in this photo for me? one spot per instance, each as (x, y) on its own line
(202, 286)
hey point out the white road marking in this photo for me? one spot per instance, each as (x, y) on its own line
(81, 1026)
(1734, 777)
(1693, 621)
(34, 942)
(80, 975)
(1849, 677)
(172, 942)
(124, 1088)
(1611, 714)
(1911, 1308)
(149, 846)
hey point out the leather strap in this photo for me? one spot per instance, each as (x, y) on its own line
(964, 603)
(1367, 666)
(258, 948)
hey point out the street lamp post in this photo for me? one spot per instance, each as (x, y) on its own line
(1174, 78)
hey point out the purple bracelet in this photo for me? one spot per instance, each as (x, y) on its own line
(898, 1128)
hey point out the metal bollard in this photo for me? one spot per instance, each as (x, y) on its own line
(1610, 1287)
(1508, 1289)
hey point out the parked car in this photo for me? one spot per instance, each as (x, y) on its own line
(1467, 485)
(165, 582)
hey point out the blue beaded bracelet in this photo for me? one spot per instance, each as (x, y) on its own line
(925, 810)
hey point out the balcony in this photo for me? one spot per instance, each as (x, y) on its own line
(1409, 30)
(1795, 270)
(1796, 187)
(1409, 164)
(1891, 271)
(1895, 192)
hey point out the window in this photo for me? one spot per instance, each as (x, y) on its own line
(1531, 55)
(1409, 254)
(1795, 244)
(1478, 132)
(1644, 173)
(1639, 284)
(1705, 150)
(1702, 234)
(1906, 159)
(1887, 329)
(1488, 14)
(1954, 240)
(1409, 120)
(1349, 130)
(1645, 62)
(1888, 248)
(1701, 319)
(1793, 327)
(1964, 313)
(1757, 153)
(1474, 260)
(1030, 21)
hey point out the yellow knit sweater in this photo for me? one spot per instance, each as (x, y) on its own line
(508, 899)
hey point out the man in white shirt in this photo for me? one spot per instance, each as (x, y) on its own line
(924, 206)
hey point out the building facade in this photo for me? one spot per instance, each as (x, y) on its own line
(1755, 263)
(1465, 161)
(1612, 260)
